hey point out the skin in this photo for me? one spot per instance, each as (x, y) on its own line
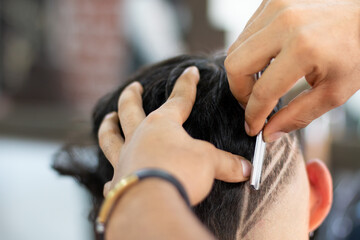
(318, 39)
(159, 140)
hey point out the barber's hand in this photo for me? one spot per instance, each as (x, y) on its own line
(318, 39)
(160, 141)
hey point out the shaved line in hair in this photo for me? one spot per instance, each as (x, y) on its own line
(279, 150)
(276, 155)
(279, 166)
(245, 204)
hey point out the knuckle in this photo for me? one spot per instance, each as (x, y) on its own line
(335, 98)
(260, 93)
(207, 148)
(154, 116)
(229, 65)
(233, 66)
(251, 121)
(248, 31)
(288, 17)
(278, 4)
(300, 123)
(304, 45)
(250, 118)
(230, 50)
(210, 148)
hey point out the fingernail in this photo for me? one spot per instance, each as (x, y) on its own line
(246, 167)
(274, 136)
(247, 128)
(193, 70)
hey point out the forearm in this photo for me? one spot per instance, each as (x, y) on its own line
(153, 209)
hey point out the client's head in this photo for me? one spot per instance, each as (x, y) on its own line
(294, 196)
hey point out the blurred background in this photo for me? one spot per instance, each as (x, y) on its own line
(58, 57)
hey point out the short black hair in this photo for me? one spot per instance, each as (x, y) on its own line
(231, 209)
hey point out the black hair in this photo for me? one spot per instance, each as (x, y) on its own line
(216, 117)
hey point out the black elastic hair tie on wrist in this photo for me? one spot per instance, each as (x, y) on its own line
(157, 173)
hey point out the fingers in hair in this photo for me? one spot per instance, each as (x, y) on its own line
(131, 112)
(182, 98)
(109, 137)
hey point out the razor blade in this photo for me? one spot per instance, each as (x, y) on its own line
(258, 161)
(259, 154)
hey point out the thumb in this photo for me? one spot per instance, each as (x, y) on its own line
(230, 167)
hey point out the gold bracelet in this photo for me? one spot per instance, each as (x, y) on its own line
(110, 199)
(124, 184)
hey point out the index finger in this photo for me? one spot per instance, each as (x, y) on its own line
(277, 79)
(249, 58)
(110, 140)
(182, 98)
(131, 112)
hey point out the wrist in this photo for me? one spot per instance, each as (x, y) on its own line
(127, 182)
(154, 209)
(141, 192)
(140, 204)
